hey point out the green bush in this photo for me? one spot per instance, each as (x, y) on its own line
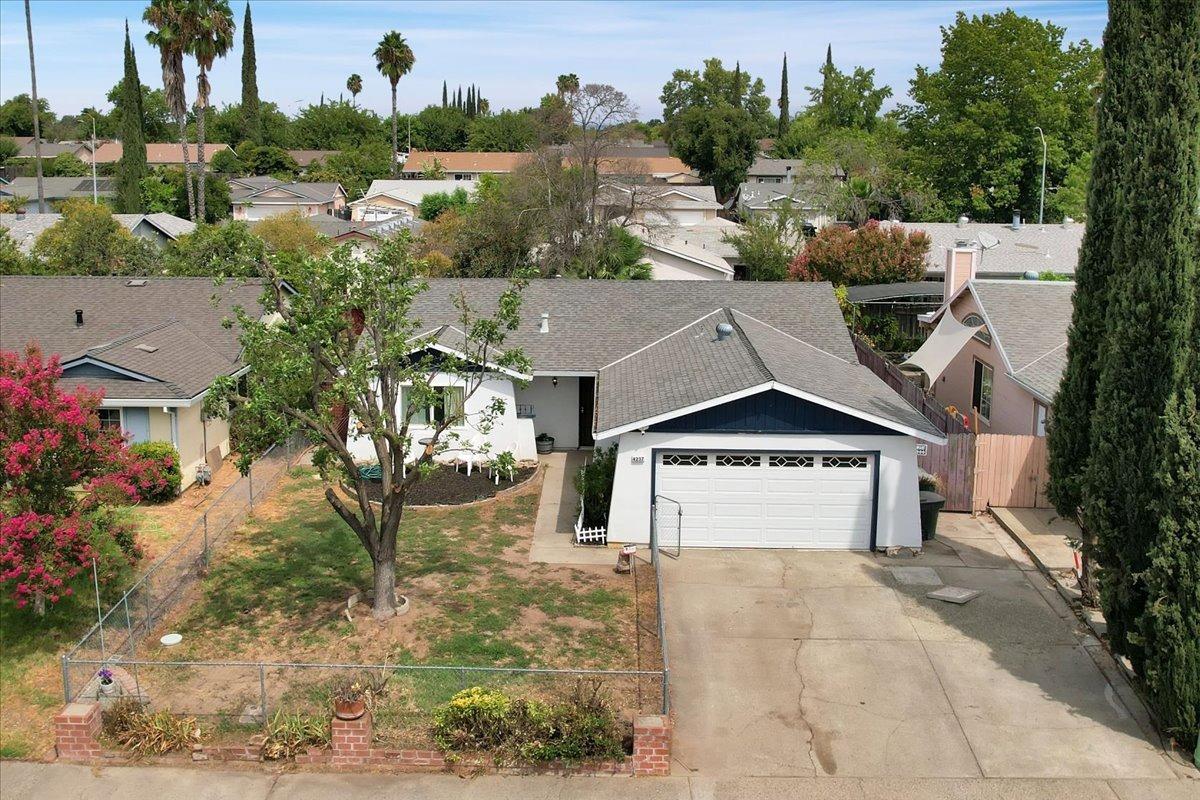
(582, 727)
(594, 482)
(165, 475)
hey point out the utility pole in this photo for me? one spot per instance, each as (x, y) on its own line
(33, 99)
(1042, 201)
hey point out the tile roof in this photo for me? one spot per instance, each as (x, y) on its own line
(175, 315)
(464, 162)
(595, 322)
(160, 152)
(1030, 319)
(1006, 252)
(692, 366)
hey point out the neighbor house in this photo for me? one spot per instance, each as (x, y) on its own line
(657, 204)
(160, 229)
(999, 347)
(386, 198)
(81, 150)
(461, 166)
(57, 189)
(153, 346)
(807, 199)
(260, 197)
(742, 405)
(306, 158)
(162, 154)
(788, 170)
(1006, 250)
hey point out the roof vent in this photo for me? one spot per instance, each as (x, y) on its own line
(78, 317)
(1016, 223)
(1067, 222)
(962, 221)
(544, 326)
(137, 282)
(724, 331)
(20, 213)
(146, 348)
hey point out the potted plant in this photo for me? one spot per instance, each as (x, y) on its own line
(349, 700)
(931, 503)
(544, 442)
(107, 686)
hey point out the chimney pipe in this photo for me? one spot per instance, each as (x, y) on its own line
(962, 221)
(1016, 225)
(78, 317)
(544, 327)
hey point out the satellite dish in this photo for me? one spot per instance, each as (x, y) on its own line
(987, 241)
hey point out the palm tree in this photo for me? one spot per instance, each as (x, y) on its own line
(170, 37)
(210, 23)
(354, 85)
(394, 59)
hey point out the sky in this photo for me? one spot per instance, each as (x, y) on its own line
(512, 50)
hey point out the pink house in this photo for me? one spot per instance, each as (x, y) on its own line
(999, 347)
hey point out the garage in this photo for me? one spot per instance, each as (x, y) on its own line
(770, 499)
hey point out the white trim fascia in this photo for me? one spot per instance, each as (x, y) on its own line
(441, 348)
(660, 339)
(665, 249)
(1041, 398)
(794, 392)
(138, 376)
(996, 340)
(564, 373)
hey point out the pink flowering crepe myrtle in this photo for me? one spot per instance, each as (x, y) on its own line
(58, 469)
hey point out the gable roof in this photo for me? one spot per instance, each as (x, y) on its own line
(694, 368)
(1029, 320)
(59, 187)
(1005, 251)
(677, 246)
(451, 162)
(300, 191)
(790, 168)
(26, 229)
(412, 191)
(760, 196)
(305, 158)
(175, 316)
(160, 152)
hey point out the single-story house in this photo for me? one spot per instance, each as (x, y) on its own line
(388, 198)
(161, 154)
(740, 404)
(57, 189)
(81, 150)
(765, 198)
(159, 228)
(260, 197)
(673, 257)
(1007, 250)
(657, 204)
(461, 166)
(364, 236)
(998, 350)
(788, 170)
(154, 346)
(305, 158)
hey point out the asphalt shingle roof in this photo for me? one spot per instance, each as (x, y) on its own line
(693, 366)
(1030, 318)
(176, 316)
(1006, 252)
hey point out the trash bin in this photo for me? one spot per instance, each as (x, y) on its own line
(931, 504)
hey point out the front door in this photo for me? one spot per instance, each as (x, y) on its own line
(587, 404)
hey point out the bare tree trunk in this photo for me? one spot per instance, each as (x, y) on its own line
(37, 132)
(187, 168)
(1088, 590)
(385, 588)
(39, 603)
(395, 140)
(201, 108)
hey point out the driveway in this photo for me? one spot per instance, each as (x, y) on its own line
(792, 663)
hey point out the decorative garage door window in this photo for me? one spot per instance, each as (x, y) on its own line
(790, 461)
(844, 462)
(685, 459)
(739, 460)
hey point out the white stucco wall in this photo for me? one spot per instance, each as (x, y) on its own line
(899, 522)
(669, 267)
(507, 432)
(556, 408)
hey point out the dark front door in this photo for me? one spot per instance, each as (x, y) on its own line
(587, 404)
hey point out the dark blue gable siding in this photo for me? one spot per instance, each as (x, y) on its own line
(770, 412)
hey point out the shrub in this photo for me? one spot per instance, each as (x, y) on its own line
(163, 477)
(289, 734)
(870, 254)
(928, 483)
(133, 727)
(594, 482)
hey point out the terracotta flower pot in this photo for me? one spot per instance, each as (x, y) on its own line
(349, 709)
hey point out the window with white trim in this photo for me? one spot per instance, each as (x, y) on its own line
(685, 460)
(844, 462)
(790, 461)
(447, 404)
(730, 460)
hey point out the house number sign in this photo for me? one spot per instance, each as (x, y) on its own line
(637, 460)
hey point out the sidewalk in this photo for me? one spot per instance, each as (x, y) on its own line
(31, 781)
(557, 507)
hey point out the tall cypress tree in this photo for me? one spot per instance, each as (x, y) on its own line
(471, 100)
(458, 101)
(785, 116)
(827, 78)
(1140, 493)
(251, 111)
(735, 92)
(445, 102)
(131, 169)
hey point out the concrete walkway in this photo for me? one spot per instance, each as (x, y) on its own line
(557, 509)
(1043, 533)
(29, 781)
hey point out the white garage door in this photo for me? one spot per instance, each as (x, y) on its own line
(770, 499)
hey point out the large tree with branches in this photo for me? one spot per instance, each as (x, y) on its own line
(348, 360)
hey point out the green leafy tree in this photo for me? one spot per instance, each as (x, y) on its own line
(433, 205)
(16, 115)
(156, 117)
(89, 241)
(12, 260)
(713, 87)
(971, 123)
(769, 242)
(165, 189)
(847, 100)
(354, 86)
(720, 142)
(506, 132)
(270, 161)
(496, 239)
(437, 128)
(354, 168)
(251, 117)
(394, 59)
(66, 164)
(131, 169)
(227, 250)
(345, 348)
(619, 255)
(867, 255)
(1070, 199)
(209, 34)
(566, 84)
(336, 126)
(227, 162)
(8, 149)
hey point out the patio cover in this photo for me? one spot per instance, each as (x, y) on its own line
(947, 339)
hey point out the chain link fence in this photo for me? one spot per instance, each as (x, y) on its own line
(117, 633)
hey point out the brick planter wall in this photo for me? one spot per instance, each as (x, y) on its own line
(75, 730)
(652, 746)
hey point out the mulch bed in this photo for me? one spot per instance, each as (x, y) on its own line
(450, 487)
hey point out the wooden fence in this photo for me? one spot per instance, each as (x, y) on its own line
(954, 465)
(890, 374)
(1010, 471)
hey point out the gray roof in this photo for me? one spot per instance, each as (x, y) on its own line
(245, 190)
(1006, 252)
(174, 315)
(789, 168)
(595, 322)
(709, 235)
(25, 230)
(692, 366)
(764, 195)
(895, 291)
(1030, 319)
(59, 188)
